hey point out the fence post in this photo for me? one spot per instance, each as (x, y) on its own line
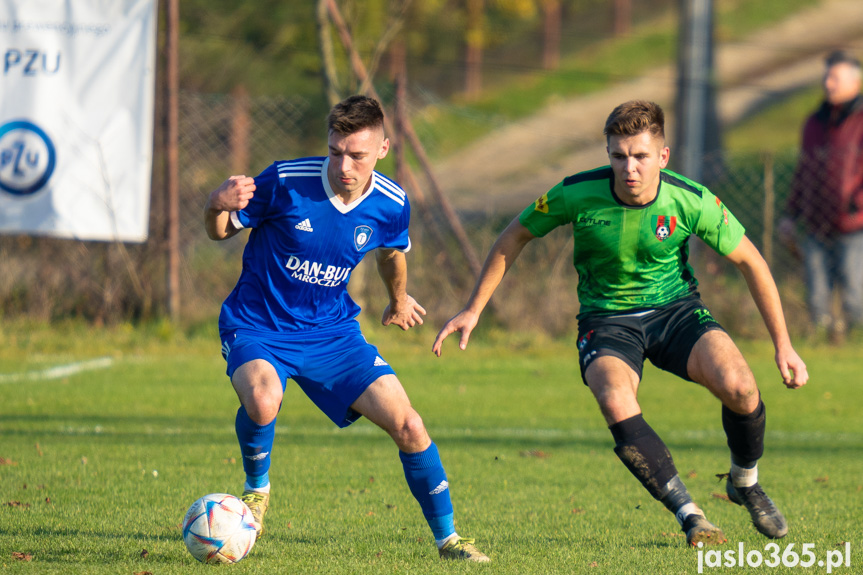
(240, 127)
(769, 209)
(172, 182)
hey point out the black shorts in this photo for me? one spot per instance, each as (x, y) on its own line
(665, 336)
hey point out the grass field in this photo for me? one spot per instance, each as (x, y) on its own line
(101, 464)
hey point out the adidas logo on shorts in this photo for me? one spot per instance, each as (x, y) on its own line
(379, 361)
(305, 226)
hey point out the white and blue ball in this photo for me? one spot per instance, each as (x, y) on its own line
(219, 528)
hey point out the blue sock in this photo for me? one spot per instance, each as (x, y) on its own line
(427, 481)
(256, 443)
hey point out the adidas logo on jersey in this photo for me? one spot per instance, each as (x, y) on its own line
(379, 361)
(442, 486)
(305, 226)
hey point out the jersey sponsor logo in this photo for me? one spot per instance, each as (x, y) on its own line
(379, 361)
(316, 273)
(442, 486)
(362, 234)
(541, 204)
(663, 226)
(305, 226)
(587, 221)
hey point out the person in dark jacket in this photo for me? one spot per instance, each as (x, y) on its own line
(826, 198)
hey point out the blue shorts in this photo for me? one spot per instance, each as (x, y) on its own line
(333, 371)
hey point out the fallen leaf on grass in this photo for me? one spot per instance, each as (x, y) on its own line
(578, 510)
(842, 543)
(144, 553)
(721, 476)
(534, 453)
(48, 500)
(594, 564)
(38, 450)
(143, 573)
(721, 496)
(371, 479)
(379, 553)
(230, 460)
(370, 513)
(824, 479)
(17, 504)
(21, 556)
(692, 474)
(4, 461)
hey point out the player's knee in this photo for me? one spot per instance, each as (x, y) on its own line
(410, 431)
(741, 391)
(263, 406)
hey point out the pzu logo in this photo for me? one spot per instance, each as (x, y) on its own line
(27, 158)
(30, 62)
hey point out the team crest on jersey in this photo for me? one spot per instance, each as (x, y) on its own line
(663, 226)
(362, 234)
(541, 204)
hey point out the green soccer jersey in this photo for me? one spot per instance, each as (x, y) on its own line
(633, 258)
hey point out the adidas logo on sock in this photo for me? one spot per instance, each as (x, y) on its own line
(257, 457)
(440, 488)
(379, 361)
(305, 226)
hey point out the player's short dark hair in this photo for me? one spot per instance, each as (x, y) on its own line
(353, 114)
(634, 117)
(841, 57)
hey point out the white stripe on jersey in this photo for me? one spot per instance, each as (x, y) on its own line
(390, 195)
(391, 186)
(300, 168)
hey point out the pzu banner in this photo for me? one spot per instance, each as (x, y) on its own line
(76, 117)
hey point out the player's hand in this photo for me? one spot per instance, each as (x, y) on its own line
(233, 194)
(404, 314)
(464, 322)
(792, 368)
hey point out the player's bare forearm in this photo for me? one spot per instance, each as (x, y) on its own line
(502, 255)
(403, 310)
(232, 195)
(500, 258)
(766, 296)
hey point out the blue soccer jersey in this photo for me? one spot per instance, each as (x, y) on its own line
(304, 245)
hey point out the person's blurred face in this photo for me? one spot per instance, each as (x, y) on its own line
(841, 83)
(353, 158)
(636, 162)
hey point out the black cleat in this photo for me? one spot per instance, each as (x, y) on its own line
(765, 515)
(699, 530)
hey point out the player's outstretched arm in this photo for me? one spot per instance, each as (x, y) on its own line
(763, 289)
(232, 195)
(501, 256)
(403, 310)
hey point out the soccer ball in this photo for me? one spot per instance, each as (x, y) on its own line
(219, 528)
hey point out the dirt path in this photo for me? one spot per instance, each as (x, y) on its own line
(504, 171)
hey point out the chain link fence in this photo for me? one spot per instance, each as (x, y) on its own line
(50, 279)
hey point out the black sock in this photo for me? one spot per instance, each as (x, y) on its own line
(644, 454)
(745, 434)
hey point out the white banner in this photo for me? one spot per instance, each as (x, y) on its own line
(76, 117)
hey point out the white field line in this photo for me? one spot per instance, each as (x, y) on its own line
(57, 372)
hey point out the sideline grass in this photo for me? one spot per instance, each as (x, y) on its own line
(106, 462)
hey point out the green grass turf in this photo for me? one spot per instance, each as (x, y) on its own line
(107, 461)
